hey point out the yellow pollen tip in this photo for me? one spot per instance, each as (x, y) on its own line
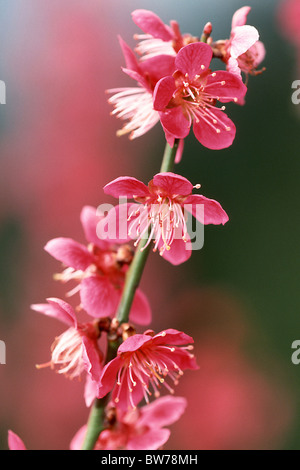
(202, 67)
(117, 400)
(218, 131)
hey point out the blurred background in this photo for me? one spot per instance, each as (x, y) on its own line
(238, 297)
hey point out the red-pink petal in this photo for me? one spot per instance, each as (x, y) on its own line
(90, 217)
(130, 58)
(140, 312)
(77, 440)
(162, 412)
(133, 343)
(157, 67)
(240, 17)
(258, 51)
(150, 23)
(242, 38)
(90, 391)
(59, 309)
(233, 88)
(15, 442)
(69, 252)
(98, 296)
(163, 93)
(194, 59)
(152, 439)
(91, 358)
(138, 77)
(179, 252)
(179, 151)
(171, 336)
(233, 67)
(209, 211)
(209, 137)
(173, 184)
(126, 186)
(108, 376)
(174, 123)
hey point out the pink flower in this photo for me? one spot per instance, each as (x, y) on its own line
(142, 361)
(135, 104)
(15, 442)
(189, 97)
(138, 429)
(99, 269)
(76, 350)
(159, 38)
(243, 52)
(160, 209)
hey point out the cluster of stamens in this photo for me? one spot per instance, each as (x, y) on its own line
(150, 368)
(198, 103)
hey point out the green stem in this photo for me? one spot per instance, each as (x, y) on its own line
(136, 269)
(96, 419)
(97, 414)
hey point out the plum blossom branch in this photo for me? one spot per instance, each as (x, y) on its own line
(97, 414)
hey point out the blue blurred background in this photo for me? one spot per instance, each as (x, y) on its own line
(238, 297)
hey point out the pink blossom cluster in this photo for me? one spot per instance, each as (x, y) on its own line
(176, 87)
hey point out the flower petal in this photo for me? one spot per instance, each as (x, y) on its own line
(162, 412)
(108, 376)
(150, 23)
(242, 38)
(194, 59)
(15, 442)
(172, 336)
(140, 312)
(207, 211)
(240, 17)
(172, 184)
(126, 186)
(69, 252)
(158, 67)
(130, 58)
(133, 343)
(174, 123)
(226, 86)
(179, 151)
(207, 133)
(59, 309)
(78, 439)
(90, 217)
(163, 93)
(98, 296)
(152, 439)
(91, 358)
(90, 391)
(179, 252)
